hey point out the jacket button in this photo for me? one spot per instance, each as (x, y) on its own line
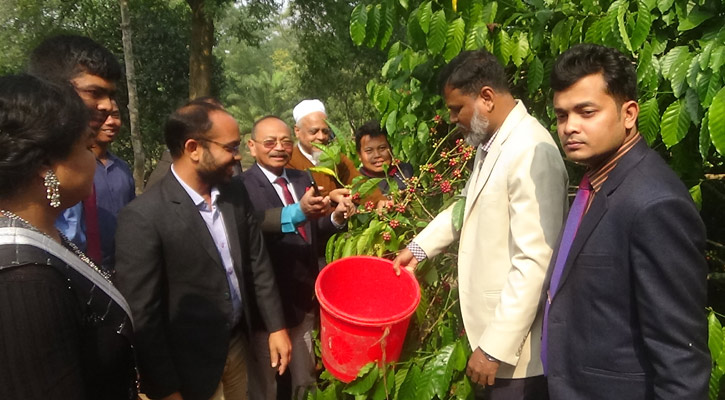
(226, 296)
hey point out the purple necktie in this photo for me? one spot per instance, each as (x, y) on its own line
(288, 200)
(567, 238)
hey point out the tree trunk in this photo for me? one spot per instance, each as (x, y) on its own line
(200, 50)
(139, 157)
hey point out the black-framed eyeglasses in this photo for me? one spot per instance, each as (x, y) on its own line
(232, 148)
(271, 143)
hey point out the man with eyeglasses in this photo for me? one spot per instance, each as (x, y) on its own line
(92, 71)
(293, 252)
(191, 260)
(311, 127)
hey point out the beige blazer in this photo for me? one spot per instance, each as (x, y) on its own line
(515, 206)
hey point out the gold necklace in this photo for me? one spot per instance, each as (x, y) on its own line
(65, 240)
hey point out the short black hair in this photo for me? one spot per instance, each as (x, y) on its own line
(40, 122)
(266, 117)
(190, 121)
(61, 58)
(586, 59)
(471, 70)
(371, 128)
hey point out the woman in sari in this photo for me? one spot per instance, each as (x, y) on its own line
(65, 331)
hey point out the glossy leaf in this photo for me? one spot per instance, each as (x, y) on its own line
(675, 122)
(673, 58)
(477, 36)
(437, 33)
(678, 75)
(696, 194)
(716, 339)
(391, 122)
(643, 25)
(535, 75)
(364, 381)
(520, 49)
(694, 18)
(454, 38)
(459, 210)
(664, 5)
(489, 12)
(372, 27)
(692, 105)
(358, 22)
(622, 23)
(386, 24)
(504, 46)
(716, 123)
(409, 389)
(425, 14)
(704, 142)
(436, 375)
(649, 120)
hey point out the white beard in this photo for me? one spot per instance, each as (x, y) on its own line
(477, 133)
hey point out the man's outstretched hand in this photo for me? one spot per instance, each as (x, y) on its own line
(405, 259)
(280, 350)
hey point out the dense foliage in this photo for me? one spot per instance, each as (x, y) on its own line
(679, 51)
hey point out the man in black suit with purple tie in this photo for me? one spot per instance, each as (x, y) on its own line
(625, 294)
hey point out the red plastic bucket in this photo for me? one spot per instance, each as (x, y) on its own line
(365, 311)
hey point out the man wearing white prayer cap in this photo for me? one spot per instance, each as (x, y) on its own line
(311, 127)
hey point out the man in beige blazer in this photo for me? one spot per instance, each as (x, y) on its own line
(515, 207)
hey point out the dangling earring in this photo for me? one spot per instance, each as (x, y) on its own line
(52, 192)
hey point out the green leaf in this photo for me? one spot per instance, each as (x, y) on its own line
(326, 171)
(643, 25)
(459, 210)
(373, 25)
(423, 132)
(705, 54)
(364, 381)
(425, 13)
(678, 75)
(535, 76)
(675, 122)
(622, 24)
(391, 122)
(716, 123)
(716, 339)
(489, 12)
(386, 27)
(459, 359)
(415, 32)
(367, 187)
(463, 389)
(454, 38)
(504, 46)
(521, 49)
(436, 375)
(477, 36)
(349, 248)
(649, 120)
(437, 33)
(694, 18)
(384, 387)
(704, 142)
(692, 71)
(358, 20)
(404, 3)
(664, 5)
(692, 105)
(409, 389)
(696, 193)
(717, 58)
(673, 58)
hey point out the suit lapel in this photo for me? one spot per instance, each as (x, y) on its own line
(266, 187)
(599, 206)
(480, 178)
(189, 217)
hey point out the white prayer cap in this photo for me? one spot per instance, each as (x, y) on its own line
(307, 107)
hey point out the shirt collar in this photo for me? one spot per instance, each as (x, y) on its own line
(306, 154)
(196, 197)
(598, 175)
(271, 176)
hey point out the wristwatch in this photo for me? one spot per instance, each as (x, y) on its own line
(489, 357)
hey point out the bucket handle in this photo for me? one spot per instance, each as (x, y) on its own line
(383, 344)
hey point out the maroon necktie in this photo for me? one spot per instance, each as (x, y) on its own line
(289, 200)
(93, 233)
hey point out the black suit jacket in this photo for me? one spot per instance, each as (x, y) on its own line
(170, 271)
(294, 259)
(628, 319)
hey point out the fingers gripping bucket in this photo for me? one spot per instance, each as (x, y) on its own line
(365, 311)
